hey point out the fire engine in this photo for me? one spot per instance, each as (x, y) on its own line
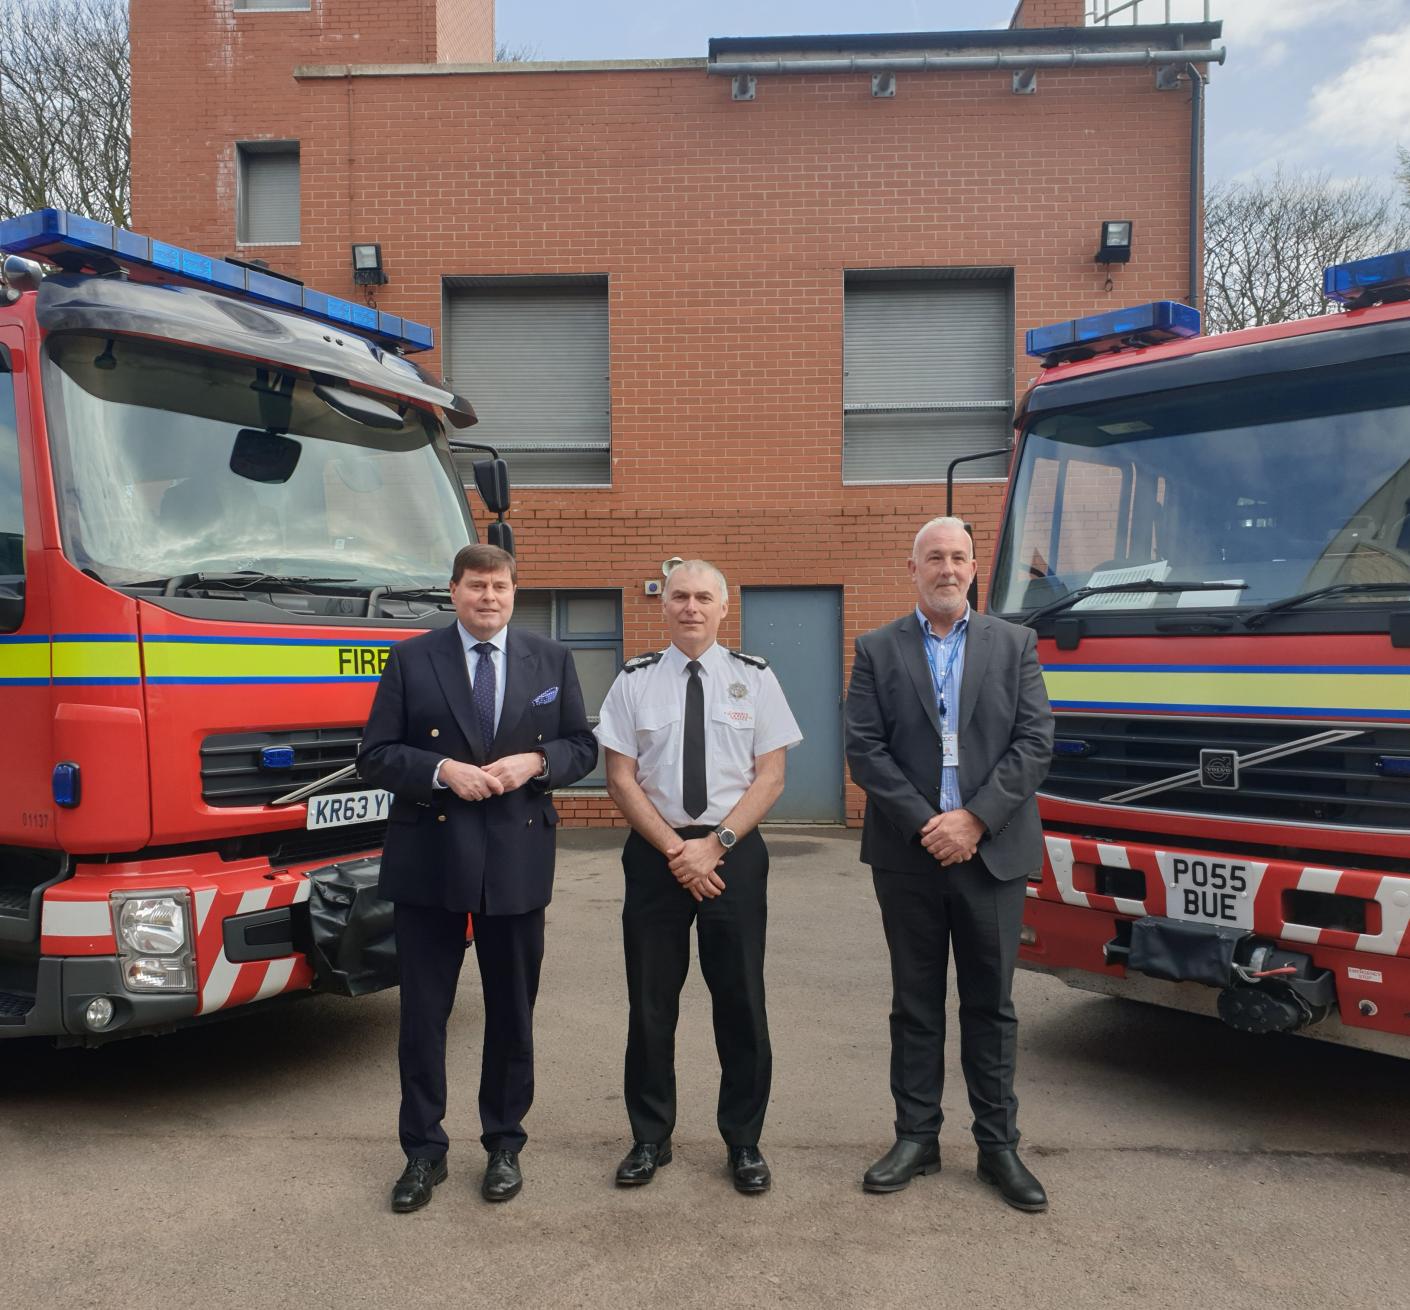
(223, 497)
(1211, 537)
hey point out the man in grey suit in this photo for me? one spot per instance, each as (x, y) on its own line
(949, 733)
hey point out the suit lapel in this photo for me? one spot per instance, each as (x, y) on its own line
(911, 642)
(976, 665)
(448, 662)
(518, 665)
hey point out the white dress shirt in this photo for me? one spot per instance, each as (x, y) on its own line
(746, 715)
(472, 669)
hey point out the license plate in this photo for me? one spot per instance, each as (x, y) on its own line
(339, 808)
(1206, 889)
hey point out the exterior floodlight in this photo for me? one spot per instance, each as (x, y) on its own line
(1116, 242)
(367, 264)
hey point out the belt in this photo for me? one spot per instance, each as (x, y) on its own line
(696, 830)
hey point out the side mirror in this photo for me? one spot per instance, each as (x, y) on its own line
(492, 482)
(264, 456)
(502, 535)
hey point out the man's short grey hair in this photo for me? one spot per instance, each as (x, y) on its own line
(944, 521)
(699, 566)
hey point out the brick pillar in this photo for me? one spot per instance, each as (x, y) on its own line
(1049, 13)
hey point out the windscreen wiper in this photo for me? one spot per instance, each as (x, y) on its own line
(240, 580)
(1253, 619)
(377, 594)
(1140, 584)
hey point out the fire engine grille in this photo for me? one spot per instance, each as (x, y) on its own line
(232, 772)
(15, 900)
(15, 1005)
(1338, 785)
(327, 843)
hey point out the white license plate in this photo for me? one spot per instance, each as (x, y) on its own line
(338, 808)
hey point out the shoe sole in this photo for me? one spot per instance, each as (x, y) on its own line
(436, 1180)
(1025, 1206)
(753, 1189)
(897, 1187)
(661, 1162)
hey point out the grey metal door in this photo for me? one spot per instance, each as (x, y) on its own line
(799, 631)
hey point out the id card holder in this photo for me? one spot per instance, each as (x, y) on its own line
(950, 749)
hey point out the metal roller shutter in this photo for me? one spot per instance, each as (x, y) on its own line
(532, 357)
(269, 194)
(928, 376)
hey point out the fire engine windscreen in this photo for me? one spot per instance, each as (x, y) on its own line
(1276, 485)
(173, 461)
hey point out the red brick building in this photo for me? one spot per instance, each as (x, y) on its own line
(746, 315)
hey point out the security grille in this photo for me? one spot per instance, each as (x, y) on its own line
(1333, 785)
(269, 192)
(232, 774)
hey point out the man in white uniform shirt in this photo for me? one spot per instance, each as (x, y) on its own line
(695, 737)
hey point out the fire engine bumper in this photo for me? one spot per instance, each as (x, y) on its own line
(65, 988)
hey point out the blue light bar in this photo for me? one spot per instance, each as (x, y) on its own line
(276, 757)
(1393, 766)
(73, 241)
(1071, 746)
(1360, 280)
(1141, 325)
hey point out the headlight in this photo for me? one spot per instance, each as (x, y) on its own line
(152, 925)
(153, 932)
(158, 976)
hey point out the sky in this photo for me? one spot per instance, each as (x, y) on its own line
(1318, 86)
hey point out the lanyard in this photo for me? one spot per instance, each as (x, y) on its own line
(936, 678)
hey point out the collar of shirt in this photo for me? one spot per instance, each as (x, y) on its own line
(959, 625)
(468, 641)
(675, 659)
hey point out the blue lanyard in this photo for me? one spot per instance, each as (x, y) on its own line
(935, 677)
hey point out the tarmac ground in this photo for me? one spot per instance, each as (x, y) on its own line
(249, 1162)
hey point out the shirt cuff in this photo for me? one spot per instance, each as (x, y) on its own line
(436, 783)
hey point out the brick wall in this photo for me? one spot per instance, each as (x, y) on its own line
(725, 229)
(1049, 13)
(465, 31)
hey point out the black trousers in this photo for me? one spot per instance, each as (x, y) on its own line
(923, 916)
(430, 947)
(656, 918)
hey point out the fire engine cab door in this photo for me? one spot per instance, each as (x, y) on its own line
(26, 799)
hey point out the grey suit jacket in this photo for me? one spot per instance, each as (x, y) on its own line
(1006, 742)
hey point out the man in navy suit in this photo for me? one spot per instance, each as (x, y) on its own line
(471, 728)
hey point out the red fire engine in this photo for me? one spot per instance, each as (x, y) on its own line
(1211, 537)
(223, 496)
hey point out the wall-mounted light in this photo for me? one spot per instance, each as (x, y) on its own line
(367, 263)
(1115, 242)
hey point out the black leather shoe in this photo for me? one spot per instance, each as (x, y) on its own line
(900, 1164)
(750, 1170)
(1004, 1170)
(640, 1164)
(413, 1189)
(502, 1179)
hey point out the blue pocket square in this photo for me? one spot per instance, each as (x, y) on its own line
(545, 697)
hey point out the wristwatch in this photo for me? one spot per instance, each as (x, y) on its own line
(727, 836)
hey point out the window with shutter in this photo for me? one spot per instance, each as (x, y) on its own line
(928, 373)
(532, 356)
(269, 193)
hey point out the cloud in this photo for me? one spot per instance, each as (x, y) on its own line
(1367, 105)
(1256, 30)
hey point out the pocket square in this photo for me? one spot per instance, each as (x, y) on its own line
(545, 697)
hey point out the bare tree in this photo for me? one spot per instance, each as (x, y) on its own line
(1402, 173)
(65, 107)
(525, 53)
(1267, 241)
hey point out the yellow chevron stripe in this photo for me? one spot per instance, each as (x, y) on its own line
(96, 659)
(24, 659)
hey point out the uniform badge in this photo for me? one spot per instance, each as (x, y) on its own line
(738, 690)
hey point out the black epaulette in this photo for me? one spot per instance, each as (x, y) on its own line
(758, 661)
(642, 661)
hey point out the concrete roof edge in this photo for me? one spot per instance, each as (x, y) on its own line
(738, 47)
(455, 70)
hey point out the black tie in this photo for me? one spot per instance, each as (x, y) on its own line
(694, 793)
(483, 691)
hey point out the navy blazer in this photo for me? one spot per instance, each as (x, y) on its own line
(1006, 743)
(447, 852)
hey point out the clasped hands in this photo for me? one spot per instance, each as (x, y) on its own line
(694, 865)
(952, 837)
(472, 783)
